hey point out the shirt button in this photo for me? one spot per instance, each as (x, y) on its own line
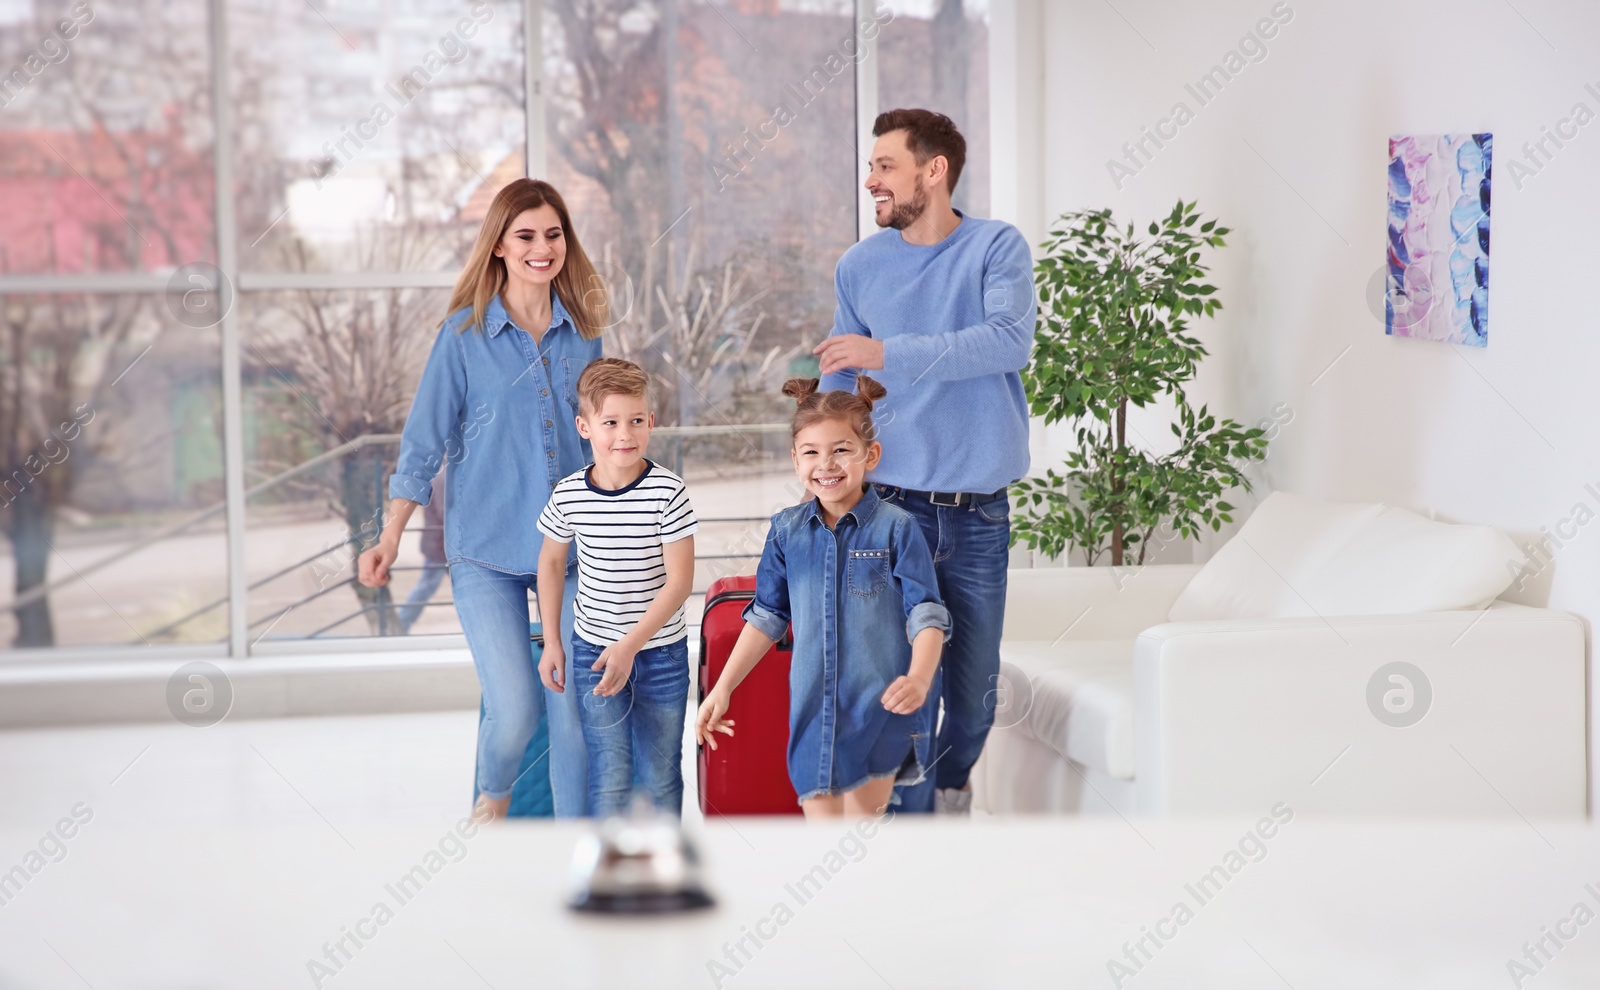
(548, 423)
(552, 453)
(546, 361)
(544, 391)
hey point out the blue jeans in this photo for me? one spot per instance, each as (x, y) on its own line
(493, 608)
(637, 732)
(428, 582)
(971, 549)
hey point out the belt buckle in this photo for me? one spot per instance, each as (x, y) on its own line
(933, 497)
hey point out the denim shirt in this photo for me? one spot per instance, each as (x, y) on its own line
(502, 410)
(857, 595)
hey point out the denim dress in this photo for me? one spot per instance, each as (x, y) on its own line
(857, 595)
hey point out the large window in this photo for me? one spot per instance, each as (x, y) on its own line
(110, 405)
(935, 54)
(363, 131)
(200, 395)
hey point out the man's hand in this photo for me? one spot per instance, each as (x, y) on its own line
(617, 662)
(849, 350)
(906, 694)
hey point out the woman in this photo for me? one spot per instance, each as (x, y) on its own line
(498, 398)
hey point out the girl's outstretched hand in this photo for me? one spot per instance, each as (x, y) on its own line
(710, 720)
(905, 695)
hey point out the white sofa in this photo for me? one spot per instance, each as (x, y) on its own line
(1269, 690)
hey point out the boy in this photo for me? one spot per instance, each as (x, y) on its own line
(630, 645)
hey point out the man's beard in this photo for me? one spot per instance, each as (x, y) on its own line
(903, 215)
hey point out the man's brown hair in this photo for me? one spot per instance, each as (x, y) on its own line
(610, 376)
(928, 133)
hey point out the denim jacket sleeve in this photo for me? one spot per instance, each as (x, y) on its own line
(769, 612)
(431, 424)
(919, 588)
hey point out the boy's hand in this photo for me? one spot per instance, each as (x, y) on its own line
(710, 719)
(553, 668)
(617, 662)
(906, 694)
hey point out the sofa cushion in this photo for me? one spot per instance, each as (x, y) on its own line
(1400, 563)
(1078, 699)
(1277, 550)
(1296, 556)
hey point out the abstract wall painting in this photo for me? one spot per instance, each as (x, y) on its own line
(1438, 280)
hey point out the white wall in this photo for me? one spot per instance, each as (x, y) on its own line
(1503, 435)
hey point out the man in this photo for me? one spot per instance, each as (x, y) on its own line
(940, 308)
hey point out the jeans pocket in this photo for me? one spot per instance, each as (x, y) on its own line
(997, 511)
(868, 572)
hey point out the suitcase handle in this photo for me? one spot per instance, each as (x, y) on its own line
(785, 642)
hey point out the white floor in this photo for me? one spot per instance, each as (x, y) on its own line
(357, 770)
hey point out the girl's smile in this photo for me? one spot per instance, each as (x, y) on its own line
(833, 462)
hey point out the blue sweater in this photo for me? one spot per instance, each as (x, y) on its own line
(956, 320)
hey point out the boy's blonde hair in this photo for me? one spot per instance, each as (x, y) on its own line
(610, 376)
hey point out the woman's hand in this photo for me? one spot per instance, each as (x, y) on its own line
(906, 694)
(372, 569)
(375, 563)
(553, 667)
(710, 720)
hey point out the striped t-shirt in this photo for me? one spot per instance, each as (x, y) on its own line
(620, 534)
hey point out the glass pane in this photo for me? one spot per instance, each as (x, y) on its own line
(105, 137)
(934, 54)
(329, 371)
(370, 136)
(114, 438)
(707, 153)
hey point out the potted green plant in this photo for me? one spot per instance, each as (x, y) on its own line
(1114, 330)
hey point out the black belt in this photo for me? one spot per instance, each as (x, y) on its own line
(950, 498)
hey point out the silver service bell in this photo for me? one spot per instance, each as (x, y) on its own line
(639, 864)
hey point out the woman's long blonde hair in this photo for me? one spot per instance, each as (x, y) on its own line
(579, 287)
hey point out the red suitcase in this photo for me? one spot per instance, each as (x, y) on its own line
(748, 772)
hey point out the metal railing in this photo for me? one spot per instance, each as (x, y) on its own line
(189, 522)
(676, 438)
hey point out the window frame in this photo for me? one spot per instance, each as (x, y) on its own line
(226, 232)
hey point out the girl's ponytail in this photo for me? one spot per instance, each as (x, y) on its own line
(801, 389)
(854, 408)
(869, 390)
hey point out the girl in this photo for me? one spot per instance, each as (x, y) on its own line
(498, 399)
(854, 575)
